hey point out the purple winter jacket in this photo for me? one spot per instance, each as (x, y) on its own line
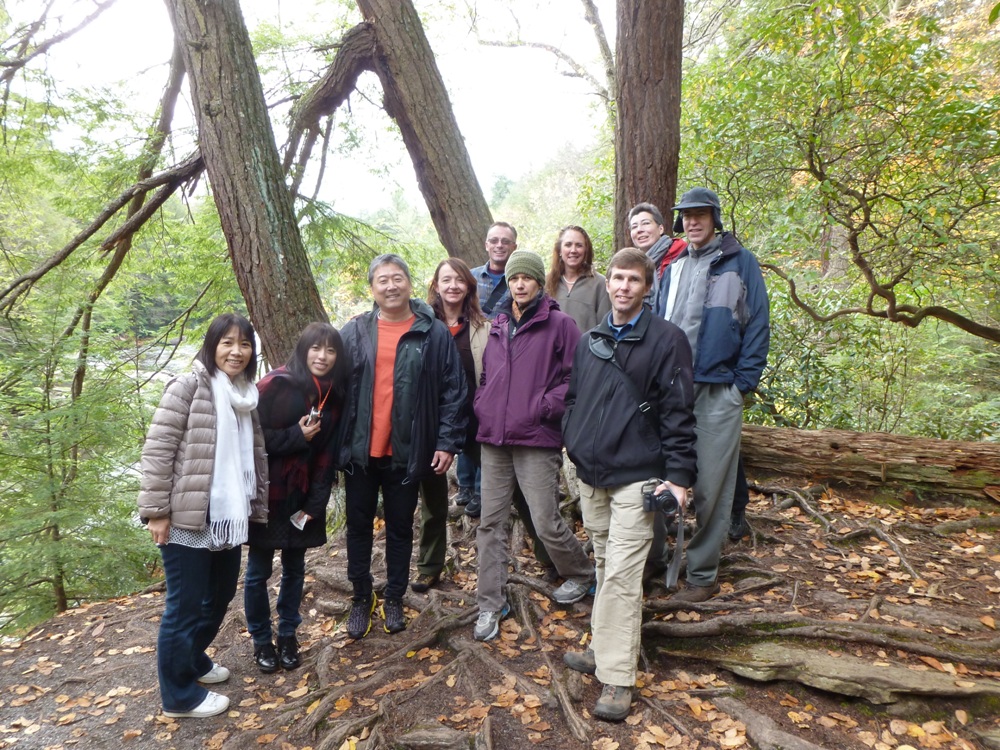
(522, 396)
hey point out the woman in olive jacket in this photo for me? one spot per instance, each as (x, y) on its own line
(204, 477)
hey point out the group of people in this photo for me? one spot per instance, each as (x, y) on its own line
(637, 374)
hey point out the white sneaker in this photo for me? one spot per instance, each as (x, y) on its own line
(214, 675)
(213, 705)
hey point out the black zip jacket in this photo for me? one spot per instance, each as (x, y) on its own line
(606, 435)
(429, 392)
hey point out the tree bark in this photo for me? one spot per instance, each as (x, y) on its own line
(416, 98)
(647, 132)
(875, 459)
(255, 206)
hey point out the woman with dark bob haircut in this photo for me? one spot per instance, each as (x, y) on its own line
(204, 477)
(300, 408)
(581, 293)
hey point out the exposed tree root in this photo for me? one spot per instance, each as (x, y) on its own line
(577, 726)
(523, 685)
(983, 653)
(958, 527)
(676, 723)
(875, 531)
(800, 499)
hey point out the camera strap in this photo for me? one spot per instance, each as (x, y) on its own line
(644, 406)
(674, 568)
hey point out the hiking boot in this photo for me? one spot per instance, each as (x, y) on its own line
(359, 621)
(212, 705)
(288, 652)
(614, 703)
(465, 495)
(572, 591)
(266, 657)
(581, 661)
(475, 507)
(214, 675)
(488, 623)
(738, 526)
(425, 581)
(694, 594)
(392, 613)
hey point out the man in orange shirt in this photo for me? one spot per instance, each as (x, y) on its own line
(405, 405)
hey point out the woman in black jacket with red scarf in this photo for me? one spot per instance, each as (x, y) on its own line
(300, 408)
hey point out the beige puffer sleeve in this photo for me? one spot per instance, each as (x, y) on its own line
(163, 441)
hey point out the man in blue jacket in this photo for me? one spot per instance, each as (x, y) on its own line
(715, 293)
(629, 416)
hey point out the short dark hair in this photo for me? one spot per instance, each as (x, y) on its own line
(505, 225)
(217, 329)
(647, 208)
(381, 260)
(321, 334)
(629, 258)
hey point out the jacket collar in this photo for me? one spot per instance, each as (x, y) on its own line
(636, 334)
(727, 242)
(423, 312)
(543, 307)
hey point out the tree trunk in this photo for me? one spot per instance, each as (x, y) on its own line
(255, 206)
(415, 96)
(874, 459)
(647, 133)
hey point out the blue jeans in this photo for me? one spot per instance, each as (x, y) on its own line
(469, 473)
(256, 602)
(399, 501)
(200, 585)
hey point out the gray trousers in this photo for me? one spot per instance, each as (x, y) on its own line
(536, 470)
(718, 409)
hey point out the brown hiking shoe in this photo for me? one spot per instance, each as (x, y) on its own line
(581, 661)
(614, 703)
(425, 581)
(693, 594)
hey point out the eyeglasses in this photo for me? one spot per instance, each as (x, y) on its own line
(497, 241)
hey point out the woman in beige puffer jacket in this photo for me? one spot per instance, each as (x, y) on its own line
(204, 479)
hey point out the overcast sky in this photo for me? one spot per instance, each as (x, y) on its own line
(514, 107)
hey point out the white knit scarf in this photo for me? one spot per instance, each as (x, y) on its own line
(234, 478)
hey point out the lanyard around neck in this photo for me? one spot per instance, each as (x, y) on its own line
(319, 392)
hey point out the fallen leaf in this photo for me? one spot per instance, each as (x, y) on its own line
(932, 662)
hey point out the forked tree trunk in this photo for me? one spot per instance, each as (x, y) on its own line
(875, 459)
(648, 127)
(415, 96)
(255, 206)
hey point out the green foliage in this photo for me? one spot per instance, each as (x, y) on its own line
(861, 137)
(68, 532)
(859, 157)
(547, 200)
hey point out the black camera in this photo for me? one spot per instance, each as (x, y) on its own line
(665, 502)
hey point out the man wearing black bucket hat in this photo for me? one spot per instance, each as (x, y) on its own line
(715, 293)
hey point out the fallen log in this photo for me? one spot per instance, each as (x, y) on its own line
(875, 459)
